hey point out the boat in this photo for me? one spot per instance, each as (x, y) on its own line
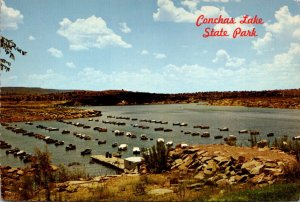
(159, 129)
(128, 134)
(58, 143)
(118, 133)
(230, 138)
(218, 137)
(115, 144)
(168, 130)
(144, 137)
(176, 124)
(102, 142)
(169, 144)
(160, 140)
(224, 129)
(123, 147)
(183, 124)
(52, 129)
(296, 137)
(243, 131)
(65, 132)
(195, 134)
(86, 152)
(270, 134)
(205, 134)
(70, 147)
(183, 145)
(136, 150)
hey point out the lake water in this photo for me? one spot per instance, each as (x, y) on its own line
(278, 121)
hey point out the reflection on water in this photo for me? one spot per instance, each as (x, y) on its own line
(278, 121)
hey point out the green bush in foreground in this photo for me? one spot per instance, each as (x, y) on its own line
(156, 158)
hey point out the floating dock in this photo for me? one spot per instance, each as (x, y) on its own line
(112, 162)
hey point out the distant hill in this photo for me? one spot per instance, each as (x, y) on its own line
(28, 91)
(289, 98)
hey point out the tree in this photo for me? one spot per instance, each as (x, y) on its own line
(8, 46)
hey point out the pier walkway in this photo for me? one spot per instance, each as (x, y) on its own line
(112, 162)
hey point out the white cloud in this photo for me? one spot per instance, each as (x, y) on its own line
(91, 32)
(55, 52)
(285, 29)
(10, 17)
(159, 55)
(31, 38)
(190, 4)
(281, 73)
(223, 57)
(284, 21)
(144, 52)
(260, 43)
(48, 79)
(71, 65)
(124, 28)
(167, 11)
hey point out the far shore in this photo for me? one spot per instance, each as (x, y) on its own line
(54, 110)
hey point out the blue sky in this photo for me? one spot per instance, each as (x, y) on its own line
(151, 46)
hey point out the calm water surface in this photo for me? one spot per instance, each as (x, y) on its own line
(278, 121)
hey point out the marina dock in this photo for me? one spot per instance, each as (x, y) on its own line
(112, 162)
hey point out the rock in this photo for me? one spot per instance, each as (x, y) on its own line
(20, 172)
(200, 153)
(250, 165)
(204, 159)
(241, 159)
(200, 176)
(195, 185)
(270, 164)
(241, 178)
(257, 179)
(191, 151)
(207, 172)
(71, 189)
(222, 182)
(178, 161)
(12, 170)
(194, 164)
(212, 166)
(274, 171)
(159, 191)
(232, 180)
(221, 160)
(256, 170)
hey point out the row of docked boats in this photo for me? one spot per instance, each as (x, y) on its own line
(16, 152)
(45, 138)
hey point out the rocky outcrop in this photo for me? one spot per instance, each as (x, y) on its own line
(222, 169)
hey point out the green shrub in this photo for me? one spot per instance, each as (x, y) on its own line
(156, 158)
(287, 145)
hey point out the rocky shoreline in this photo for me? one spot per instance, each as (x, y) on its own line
(23, 114)
(197, 168)
(223, 165)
